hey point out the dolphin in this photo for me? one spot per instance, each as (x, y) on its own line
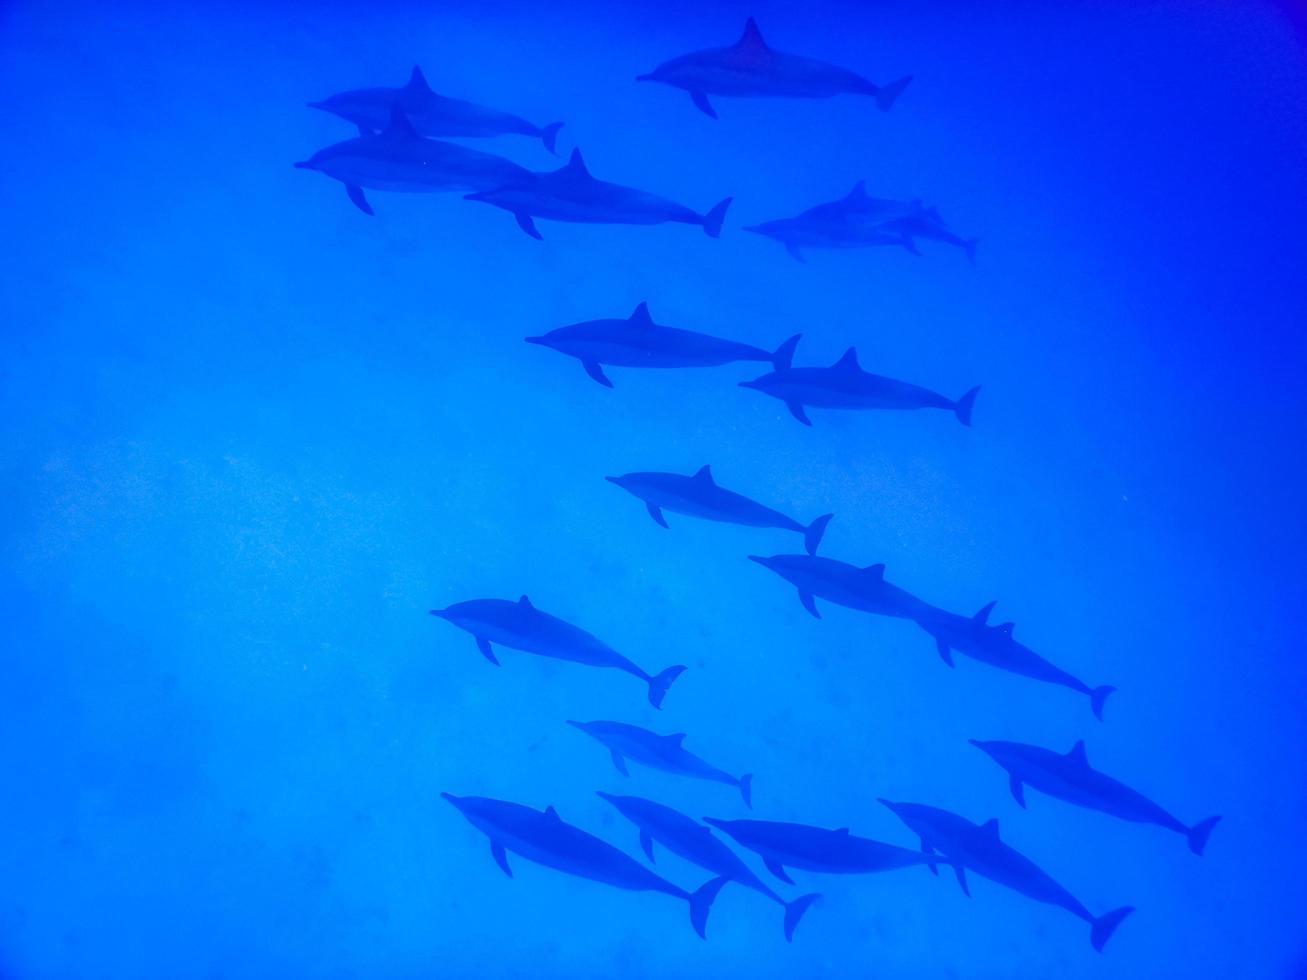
(1070, 777)
(845, 385)
(398, 159)
(700, 496)
(521, 626)
(995, 646)
(431, 114)
(693, 841)
(864, 589)
(639, 342)
(571, 194)
(544, 838)
(923, 222)
(854, 221)
(750, 68)
(978, 848)
(665, 752)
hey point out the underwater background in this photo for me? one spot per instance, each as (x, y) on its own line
(249, 436)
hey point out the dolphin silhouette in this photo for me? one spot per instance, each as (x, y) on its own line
(542, 837)
(399, 159)
(693, 841)
(700, 496)
(571, 194)
(750, 68)
(864, 589)
(521, 626)
(978, 848)
(430, 114)
(1069, 777)
(656, 751)
(845, 385)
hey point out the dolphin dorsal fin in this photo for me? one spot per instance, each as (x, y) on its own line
(675, 739)
(399, 124)
(752, 37)
(849, 362)
(1077, 754)
(525, 603)
(859, 192)
(990, 828)
(704, 473)
(552, 814)
(417, 82)
(843, 831)
(983, 614)
(1005, 628)
(641, 317)
(575, 165)
(876, 571)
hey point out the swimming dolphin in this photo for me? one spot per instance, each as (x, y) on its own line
(400, 160)
(750, 68)
(542, 837)
(639, 342)
(693, 841)
(571, 194)
(995, 646)
(854, 221)
(656, 751)
(700, 496)
(978, 848)
(430, 114)
(521, 626)
(864, 589)
(845, 385)
(1070, 777)
(923, 222)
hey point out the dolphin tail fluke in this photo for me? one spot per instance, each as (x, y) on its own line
(712, 221)
(969, 246)
(813, 532)
(1199, 832)
(658, 685)
(887, 95)
(746, 789)
(701, 904)
(784, 355)
(962, 407)
(549, 136)
(1097, 697)
(794, 912)
(1105, 925)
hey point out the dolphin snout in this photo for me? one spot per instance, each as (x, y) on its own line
(644, 78)
(714, 822)
(577, 724)
(748, 384)
(451, 798)
(536, 340)
(303, 165)
(438, 613)
(888, 803)
(609, 797)
(316, 105)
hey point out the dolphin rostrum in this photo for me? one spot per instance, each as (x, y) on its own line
(978, 848)
(700, 496)
(846, 385)
(521, 626)
(431, 114)
(1069, 777)
(864, 589)
(571, 194)
(398, 159)
(639, 342)
(691, 840)
(665, 752)
(750, 68)
(995, 646)
(544, 838)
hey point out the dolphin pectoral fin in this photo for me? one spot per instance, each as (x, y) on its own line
(596, 371)
(928, 850)
(528, 225)
(907, 242)
(484, 646)
(656, 514)
(501, 857)
(775, 868)
(356, 195)
(701, 102)
(797, 411)
(809, 603)
(619, 762)
(794, 252)
(646, 844)
(962, 879)
(1018, 793)
(944, 653)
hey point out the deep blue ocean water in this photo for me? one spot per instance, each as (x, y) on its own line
(249, 436)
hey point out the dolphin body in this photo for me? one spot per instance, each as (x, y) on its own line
(570, 193)
(864, 589)
(978, 848)
(398, 159)
(639, 342)
(656, 751)
(854, 221)
(430, 114)
(521, 626)
(1069, 777)
(693, 841)
(700, 496)
(750, 68)
(845, 385)
(544, 838)
(995, 646)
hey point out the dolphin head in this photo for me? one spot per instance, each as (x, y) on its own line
(581, 725)
(544, 340)
(625, 481)
(455, 801)
(439, 614)
(715, 822)
(1000, 752)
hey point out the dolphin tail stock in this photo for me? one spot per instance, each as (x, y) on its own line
(813, 532)
(1097, 697)
(549, 136)
(712, 221)
(794, 912)
(1102, 928)
(746, 789)
(1198, 833)
(887, 95)
(658, 685)
(701, 904)
(962, 407)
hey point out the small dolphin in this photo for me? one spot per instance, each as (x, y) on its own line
(431, 114)
(639, 342)
(979, 849)
(864, 589)
(845, 385)
(700, 496)
(750, 68)
(656, 751)
(400, 160)
(1070, 777)
(995, 646)
(571, 194)
(542, 837)
(521, 626)
(854, 221)
(693, 841)
(924, 222)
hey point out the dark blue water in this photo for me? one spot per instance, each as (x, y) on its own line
(249, 436)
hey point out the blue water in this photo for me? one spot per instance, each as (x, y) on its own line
(249, 436)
